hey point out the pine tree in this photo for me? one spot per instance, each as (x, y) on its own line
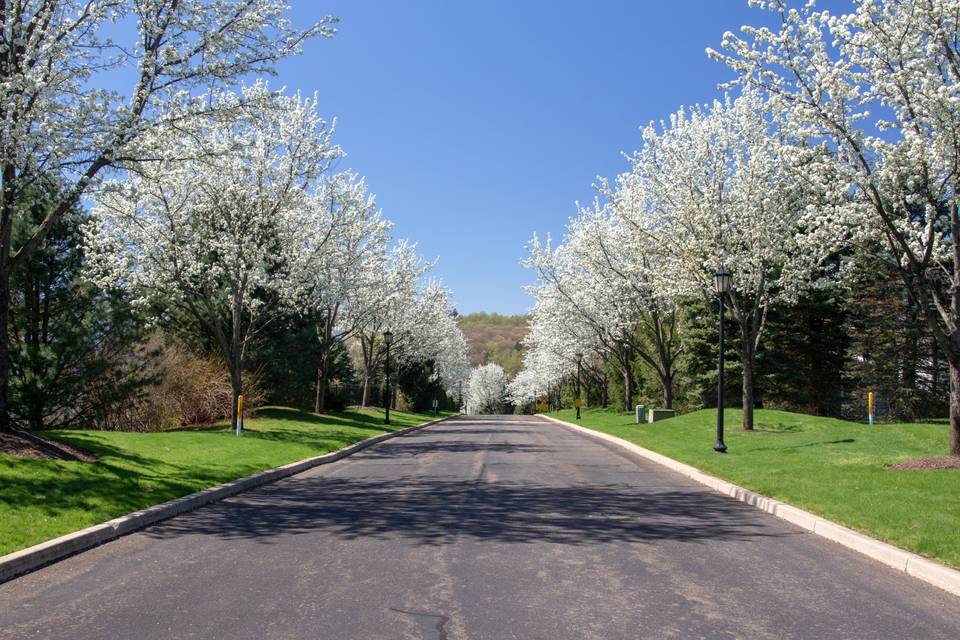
(69, 340)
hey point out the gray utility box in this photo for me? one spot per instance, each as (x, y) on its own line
(640, 413)
(659, 414)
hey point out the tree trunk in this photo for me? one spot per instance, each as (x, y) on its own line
(366, 390)
(628, 389)
(955, 408)
(747, 357)
(7, 199)
(5, 423)
(908, 373)
(236, 383)
(667, 383)
(935, 369)
(319, 400)
(320, 403)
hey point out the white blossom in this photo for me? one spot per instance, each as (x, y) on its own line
(226, 223)
(486, 389)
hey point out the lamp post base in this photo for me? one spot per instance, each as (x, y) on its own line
(720, 447)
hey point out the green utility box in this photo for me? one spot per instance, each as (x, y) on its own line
(641, 413)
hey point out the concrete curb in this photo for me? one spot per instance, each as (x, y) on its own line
(910, 563)
(39, 555)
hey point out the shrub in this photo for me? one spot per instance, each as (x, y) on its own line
(190, 389)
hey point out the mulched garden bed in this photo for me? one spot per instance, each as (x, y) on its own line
(920, 464)
(30, 445)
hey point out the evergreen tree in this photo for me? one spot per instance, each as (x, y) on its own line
(419, 385)
(70, 342)
(802, 356)
(891, 352)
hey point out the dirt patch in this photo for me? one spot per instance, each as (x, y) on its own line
(30, 445)
(920, 464)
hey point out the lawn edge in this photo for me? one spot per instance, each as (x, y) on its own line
(915, 565)
(24, 561)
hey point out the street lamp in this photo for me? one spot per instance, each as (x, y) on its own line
(387, 340)
(724, 279)
(577, 402)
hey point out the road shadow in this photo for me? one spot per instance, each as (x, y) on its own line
(408, 447)
(434, 511)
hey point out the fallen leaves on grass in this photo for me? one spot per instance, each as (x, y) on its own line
(30, 445)
(921, 464)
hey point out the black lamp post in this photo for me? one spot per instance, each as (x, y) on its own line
(577, 402)
(387, 340)
(724, 280)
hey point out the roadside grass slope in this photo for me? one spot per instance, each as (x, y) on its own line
(834, 468)
(43, 499)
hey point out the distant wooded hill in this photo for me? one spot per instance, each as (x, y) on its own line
(495, 338)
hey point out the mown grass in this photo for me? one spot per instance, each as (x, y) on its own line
(838, 469)
(43, 499)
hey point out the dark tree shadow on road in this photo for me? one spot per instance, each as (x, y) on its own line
(409, 447)
(440, 512)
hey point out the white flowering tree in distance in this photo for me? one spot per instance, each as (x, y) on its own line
(486, 389)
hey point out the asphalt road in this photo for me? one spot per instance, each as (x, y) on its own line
(479, 528)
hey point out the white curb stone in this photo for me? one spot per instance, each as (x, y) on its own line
(934, 573)
(31, 558)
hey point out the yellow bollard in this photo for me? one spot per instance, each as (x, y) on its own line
(870, 406)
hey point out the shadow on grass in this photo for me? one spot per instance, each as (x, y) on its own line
(117, 483)
(776, 427)
(354, 419)
(818, 444)
(121, 480)
(434, 511)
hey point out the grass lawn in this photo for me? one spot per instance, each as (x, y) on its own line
(43, 499)
(834, 468)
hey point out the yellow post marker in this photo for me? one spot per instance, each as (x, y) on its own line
(239, 414)
(870, 406)
(578, 403)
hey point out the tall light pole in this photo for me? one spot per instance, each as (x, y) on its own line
(387, 340)
(577, 402)
(724, 280)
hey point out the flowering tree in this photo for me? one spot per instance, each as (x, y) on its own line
(878, 88)
(383, 299)
(717, 187)
(452, 358)
(569, 317)
(486, 389)
(357, 250)
(595, 294)
(55, 56)
(437, 337)
(226, 224)
(542, 369)
(619, 273)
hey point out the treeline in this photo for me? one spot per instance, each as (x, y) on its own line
(220, 253)
(820, 356)
(834, 250)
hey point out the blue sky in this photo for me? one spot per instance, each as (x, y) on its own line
(480, 123)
